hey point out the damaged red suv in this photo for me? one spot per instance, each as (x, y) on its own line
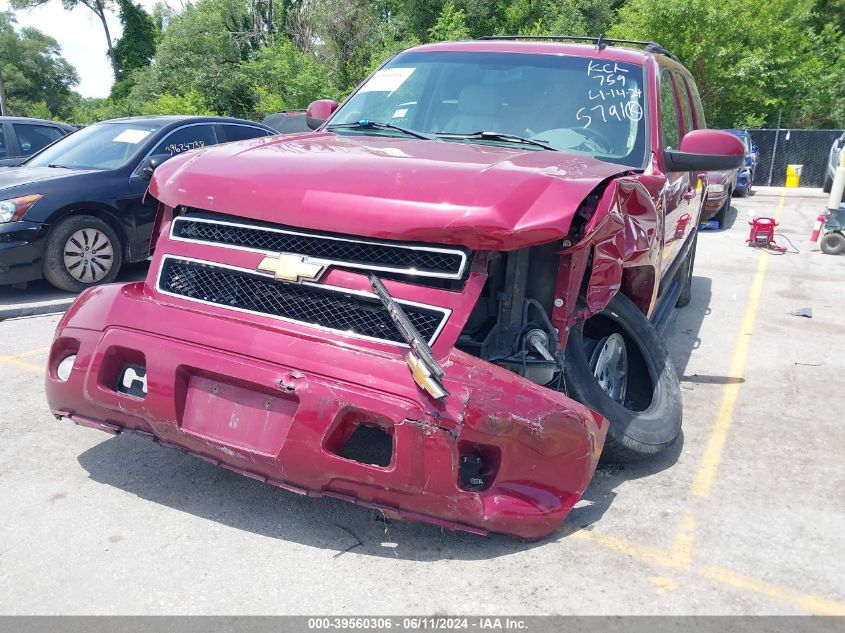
(445, 303)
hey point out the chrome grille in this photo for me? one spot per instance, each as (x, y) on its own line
(343, 251)
(325, 307)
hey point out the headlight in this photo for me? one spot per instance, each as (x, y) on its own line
(716, 188)
(11, 210)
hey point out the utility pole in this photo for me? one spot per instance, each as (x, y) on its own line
(774, 152)
(3, 109)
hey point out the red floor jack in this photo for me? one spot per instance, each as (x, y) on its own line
(763, 235)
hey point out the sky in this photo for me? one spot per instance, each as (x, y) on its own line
(80, 34)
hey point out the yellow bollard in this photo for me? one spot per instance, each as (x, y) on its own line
(793, 175)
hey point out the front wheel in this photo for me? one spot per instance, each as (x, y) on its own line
(82, 251)
(617, 365)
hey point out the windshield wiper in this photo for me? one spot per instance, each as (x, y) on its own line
(499, 136)
(427, 372)
(57, 166)
(375, 125)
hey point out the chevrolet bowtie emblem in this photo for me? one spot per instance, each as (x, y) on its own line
(287, 267)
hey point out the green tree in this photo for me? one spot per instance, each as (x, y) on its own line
(748, 65)
(36, 78)
(284, 78)
(450, 25)
(137, 45)
(200, 50)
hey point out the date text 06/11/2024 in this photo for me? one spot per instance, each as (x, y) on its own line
(416, 623)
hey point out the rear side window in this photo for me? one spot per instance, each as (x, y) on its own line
(669, 119)
(232, 133)
(185, 139)
(34, 138)
(4, 149)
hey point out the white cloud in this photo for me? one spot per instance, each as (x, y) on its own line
(81, 36)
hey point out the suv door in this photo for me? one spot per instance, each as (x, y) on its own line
(680, 188)
(693, 118)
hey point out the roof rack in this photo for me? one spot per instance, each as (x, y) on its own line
(601, 42)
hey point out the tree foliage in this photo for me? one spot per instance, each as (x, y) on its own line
(237, 57)
(36, 78)
(749, 65)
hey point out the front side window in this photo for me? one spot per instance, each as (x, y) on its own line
(97, 147)
(669, 119)
(686, 110)
(34, 138)
(185, 139)
(575, 104)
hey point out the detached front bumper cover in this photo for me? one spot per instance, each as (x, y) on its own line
(498, 454)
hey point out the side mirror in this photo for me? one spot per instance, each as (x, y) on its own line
(706, 150)
(318, 112)
(755, 149)
(151, 163)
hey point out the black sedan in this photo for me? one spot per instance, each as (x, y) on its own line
(75, 212)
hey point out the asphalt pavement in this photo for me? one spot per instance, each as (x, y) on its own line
(743, 515)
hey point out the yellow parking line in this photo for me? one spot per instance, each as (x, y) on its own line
(21, 364)
(16, 360)
(818, 605)
(702, 485)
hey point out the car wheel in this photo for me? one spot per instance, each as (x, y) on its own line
(828, 183)
(617, 365)
(82, 251)
(686, 275)
(722, 213)
(833, 243)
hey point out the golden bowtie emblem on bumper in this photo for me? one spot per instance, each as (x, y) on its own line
(288, 267)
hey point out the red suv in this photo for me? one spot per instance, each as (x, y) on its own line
(445, 303)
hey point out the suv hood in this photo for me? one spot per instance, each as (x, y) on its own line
(479, 196)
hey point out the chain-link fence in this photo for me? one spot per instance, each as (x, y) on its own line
(779, 148)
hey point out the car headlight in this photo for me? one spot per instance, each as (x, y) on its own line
(716, 188)
(14, 208)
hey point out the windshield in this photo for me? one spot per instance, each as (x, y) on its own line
(575, 104)
(102, 146)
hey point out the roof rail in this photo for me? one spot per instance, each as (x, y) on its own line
(601, 42)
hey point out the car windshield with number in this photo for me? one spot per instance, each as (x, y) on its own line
(103, 146)
(574, 104)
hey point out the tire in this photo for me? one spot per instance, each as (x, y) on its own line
(722, 213)
(833, 243)
(828, 183)
(82, 251)
(686, 270)
(648, 418)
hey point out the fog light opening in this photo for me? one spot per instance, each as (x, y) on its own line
(133, 381)
(478, 465)
(368, 445)
(64, 368)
